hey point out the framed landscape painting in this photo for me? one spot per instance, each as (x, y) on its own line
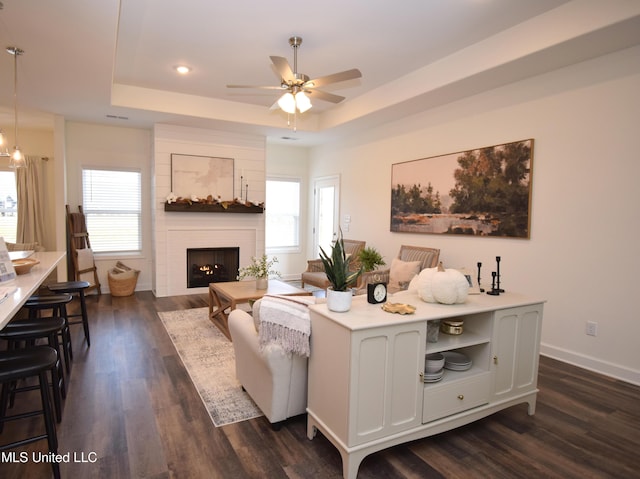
(481, 192)
(201, 176)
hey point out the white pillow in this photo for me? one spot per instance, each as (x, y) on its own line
(402, 272)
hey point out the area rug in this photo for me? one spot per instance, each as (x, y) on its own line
(208, 357)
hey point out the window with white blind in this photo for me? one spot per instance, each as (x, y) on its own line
(112, 204)
(8, 206)
(282, 215)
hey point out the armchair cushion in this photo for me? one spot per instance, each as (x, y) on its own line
(402, 272)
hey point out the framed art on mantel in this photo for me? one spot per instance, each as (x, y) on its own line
(481, 192)
(201, 176)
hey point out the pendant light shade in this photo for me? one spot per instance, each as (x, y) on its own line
(287, 103)
(290, 102)
(302, 102)
(17, 158)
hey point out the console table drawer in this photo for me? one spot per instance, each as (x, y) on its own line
(441, 400)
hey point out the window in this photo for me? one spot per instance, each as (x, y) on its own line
(8, 206)
(282, 215)
(111, 201)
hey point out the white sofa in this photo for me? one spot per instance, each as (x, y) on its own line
(275, 380)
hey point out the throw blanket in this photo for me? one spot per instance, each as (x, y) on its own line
(284, 320)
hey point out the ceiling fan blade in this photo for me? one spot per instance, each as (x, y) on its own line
(323, 95)
(336, 77)
(256, 86)
(282, 67)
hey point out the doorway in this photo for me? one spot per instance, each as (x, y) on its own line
(326, 212)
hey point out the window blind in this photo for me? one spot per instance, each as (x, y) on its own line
(112, 202)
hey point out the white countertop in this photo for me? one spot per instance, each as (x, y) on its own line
(27, 284)
(365, 315)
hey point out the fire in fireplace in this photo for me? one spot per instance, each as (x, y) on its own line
(211, 265)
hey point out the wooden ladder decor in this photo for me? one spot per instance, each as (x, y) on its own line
(80, 250)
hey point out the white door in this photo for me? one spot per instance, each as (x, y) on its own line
(326, 216)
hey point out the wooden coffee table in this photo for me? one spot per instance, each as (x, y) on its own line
(227, 295)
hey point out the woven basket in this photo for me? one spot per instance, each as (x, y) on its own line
(122, 287)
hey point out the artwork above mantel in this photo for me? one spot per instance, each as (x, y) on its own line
(221, 207)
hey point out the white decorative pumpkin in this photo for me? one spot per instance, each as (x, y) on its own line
(437, 285)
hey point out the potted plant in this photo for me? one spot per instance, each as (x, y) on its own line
(340, 275)
(370, 259)
(260, 269)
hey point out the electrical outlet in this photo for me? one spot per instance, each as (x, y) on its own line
(592, 328)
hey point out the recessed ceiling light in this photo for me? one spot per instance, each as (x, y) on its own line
(183, 69)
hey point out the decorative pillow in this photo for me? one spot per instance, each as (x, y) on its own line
(402, 272)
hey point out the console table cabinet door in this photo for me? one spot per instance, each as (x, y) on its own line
(386, 390)
(516, 346)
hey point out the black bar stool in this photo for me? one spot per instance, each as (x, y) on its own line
(75, 287)
(57, 303)
(23, 364)
(28, 332)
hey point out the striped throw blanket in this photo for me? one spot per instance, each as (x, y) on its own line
(284, 320)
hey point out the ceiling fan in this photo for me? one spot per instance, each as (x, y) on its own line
(298, 87)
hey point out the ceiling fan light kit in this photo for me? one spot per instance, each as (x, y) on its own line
(298, 86)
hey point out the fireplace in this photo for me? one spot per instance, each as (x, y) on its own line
(211, 265)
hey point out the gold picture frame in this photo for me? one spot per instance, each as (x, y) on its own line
(480, 192)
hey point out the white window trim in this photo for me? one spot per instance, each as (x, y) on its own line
(288, 249)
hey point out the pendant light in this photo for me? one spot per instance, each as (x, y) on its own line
(17, 157)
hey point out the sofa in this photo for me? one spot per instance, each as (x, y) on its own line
(275, 380)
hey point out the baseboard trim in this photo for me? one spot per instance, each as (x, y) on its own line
(592, 364)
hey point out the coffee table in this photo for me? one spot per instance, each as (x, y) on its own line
(228, 294)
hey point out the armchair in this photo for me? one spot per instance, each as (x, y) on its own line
(315, 275)
(275, 380)
(409, 262)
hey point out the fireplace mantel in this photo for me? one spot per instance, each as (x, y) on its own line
(213, 208)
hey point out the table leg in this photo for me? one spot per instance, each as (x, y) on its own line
(217, 315)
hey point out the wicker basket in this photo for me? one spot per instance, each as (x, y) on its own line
(122, 286)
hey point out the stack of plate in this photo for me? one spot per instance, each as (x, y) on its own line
(456, 361)
(433, 377)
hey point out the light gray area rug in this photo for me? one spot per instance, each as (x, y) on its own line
(209, 359)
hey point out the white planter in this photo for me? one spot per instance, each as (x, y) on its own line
(339, 301)
(262, 283)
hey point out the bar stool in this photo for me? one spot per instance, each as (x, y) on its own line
(29, 331)
(23, 364)
(75, 287)
(57, 303)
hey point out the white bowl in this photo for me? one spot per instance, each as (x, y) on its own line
(433, 363)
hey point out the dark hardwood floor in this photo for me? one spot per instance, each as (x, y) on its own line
(132, 412)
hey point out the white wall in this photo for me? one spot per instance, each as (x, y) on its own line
(112, 147)
(292, 162)
(582, 256)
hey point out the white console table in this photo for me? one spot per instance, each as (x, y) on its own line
(366, 390)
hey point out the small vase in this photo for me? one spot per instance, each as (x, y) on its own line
(262, 283)
(339, 301)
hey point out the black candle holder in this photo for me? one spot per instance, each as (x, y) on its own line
(480, 266)
(494, 291)
(500, 290)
